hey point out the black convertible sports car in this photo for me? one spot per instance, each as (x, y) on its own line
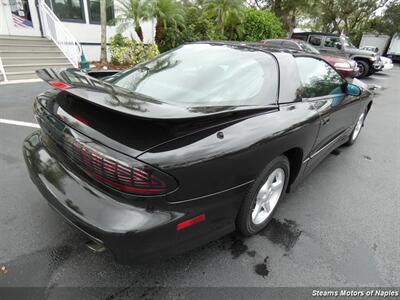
(201, 141)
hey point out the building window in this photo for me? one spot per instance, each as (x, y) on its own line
(94, 11)
(68, 10)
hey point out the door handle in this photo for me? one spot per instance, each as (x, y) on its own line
(325, 121)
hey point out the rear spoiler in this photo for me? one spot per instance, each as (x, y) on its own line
(49, 74)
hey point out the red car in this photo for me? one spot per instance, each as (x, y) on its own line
(347, 67)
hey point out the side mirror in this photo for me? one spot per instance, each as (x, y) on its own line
(353, 90)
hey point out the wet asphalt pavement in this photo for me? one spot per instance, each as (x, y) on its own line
(339, 228)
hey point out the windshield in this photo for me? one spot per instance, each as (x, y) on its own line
(309, 48)
(205, 75)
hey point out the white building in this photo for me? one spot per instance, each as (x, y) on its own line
(69, 24)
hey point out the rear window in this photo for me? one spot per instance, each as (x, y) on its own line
(273, 43)
(291, 45)
(206, 75)
(310, 49)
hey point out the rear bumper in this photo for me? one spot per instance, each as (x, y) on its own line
(145, 229)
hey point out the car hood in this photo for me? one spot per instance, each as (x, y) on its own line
(334, 59)
(355, 51)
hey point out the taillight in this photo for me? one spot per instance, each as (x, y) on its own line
(60, 85)
(122, 173)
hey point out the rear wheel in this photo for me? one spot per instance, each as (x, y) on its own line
(357, 129)
(364, 69)
(264, 196)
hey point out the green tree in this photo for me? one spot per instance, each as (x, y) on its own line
(227, 14)
(133, 12)
(262, 24)
(198, 27)
(389, 22)
(288, 11)
(169, 14)
(344, 16)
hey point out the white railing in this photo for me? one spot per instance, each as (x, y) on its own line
(56, 31)
(2, 71)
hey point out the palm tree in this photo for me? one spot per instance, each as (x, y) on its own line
(168, 13)
(234, 25)
(225, 12)
(133, 12)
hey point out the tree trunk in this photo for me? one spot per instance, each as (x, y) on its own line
(103, 21)
(278, 8)
(292, 23)
(139, 32)
(159, 32)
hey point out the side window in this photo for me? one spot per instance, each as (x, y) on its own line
(333, 42)
(94, 11)
(315, 41)
(318, 78)
(290, 45)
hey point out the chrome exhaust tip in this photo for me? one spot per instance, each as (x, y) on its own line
(95, 247)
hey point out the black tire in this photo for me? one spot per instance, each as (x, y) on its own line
(244, 221)
(353, 137)
(371, 71)
(364, 69)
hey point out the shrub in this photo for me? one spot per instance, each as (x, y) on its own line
(126, 51)
(261, 24)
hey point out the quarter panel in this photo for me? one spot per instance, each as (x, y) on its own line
(223, 158)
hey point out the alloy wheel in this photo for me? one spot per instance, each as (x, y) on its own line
(361, 68)
(358, 127)
(268, 196)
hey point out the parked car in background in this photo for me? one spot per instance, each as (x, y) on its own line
(380, 41)
(347, 67)
(394, 48)
(368, 62)
(197, 143)
(387, 62)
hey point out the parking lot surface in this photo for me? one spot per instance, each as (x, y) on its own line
(339, 228)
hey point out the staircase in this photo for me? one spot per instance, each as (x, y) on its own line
(22, 56)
